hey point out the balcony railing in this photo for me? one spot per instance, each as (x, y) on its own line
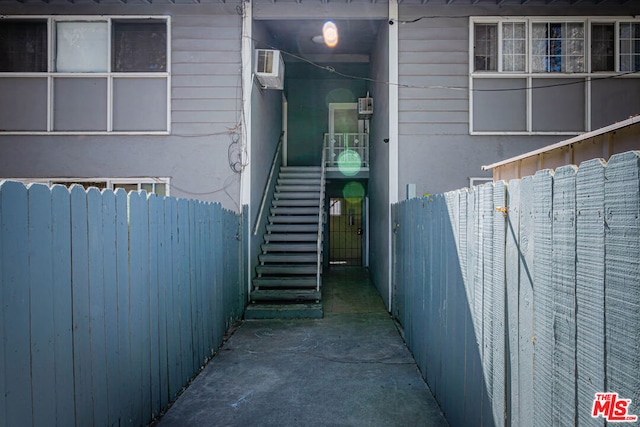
(349, 152)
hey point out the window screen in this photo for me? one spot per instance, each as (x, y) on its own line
(602, 47)
(139, 46)
(485, 51)
(23, 46)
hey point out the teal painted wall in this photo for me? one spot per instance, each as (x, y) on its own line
(309, 100)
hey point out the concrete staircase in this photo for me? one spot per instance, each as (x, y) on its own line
(287, 277)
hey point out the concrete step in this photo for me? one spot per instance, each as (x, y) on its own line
(294, 219)
(301, 168)
(293, 210)
(284, 311)
(289, 247)
(307, 195)
(291, 237)
(297, 188)
(296, 202)
(285, 295)
(285, 282)
(288, 258)
(299, 181)
(292, 228)
(300, 175)
(286, 269)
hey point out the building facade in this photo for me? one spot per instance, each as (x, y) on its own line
(162, 95)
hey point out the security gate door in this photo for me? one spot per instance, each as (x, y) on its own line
(345, 232)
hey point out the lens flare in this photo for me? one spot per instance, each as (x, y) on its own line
(349, 162)
(353, 192)
(330, 34)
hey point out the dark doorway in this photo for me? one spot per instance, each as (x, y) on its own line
(345, 232)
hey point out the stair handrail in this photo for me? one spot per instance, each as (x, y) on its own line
(320, 221)
(268, 185)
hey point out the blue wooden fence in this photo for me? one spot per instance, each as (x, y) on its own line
(521, 301)
(109, 303)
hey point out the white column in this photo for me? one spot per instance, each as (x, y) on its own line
(247, 86)
(393, 128)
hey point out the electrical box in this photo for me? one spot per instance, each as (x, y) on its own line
(269, 68)
(365, 107)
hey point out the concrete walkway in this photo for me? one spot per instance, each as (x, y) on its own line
(349, 369)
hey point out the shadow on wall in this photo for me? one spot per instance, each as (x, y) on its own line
(445, 338)
(503, 293)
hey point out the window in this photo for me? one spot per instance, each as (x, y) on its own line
(23, 46)
(485, 47)
(557, 47)
(602, 47)
(629, 46)
(514, 46)
(335, 207)
(81, 47)
(139, 47)
(553, 75)
(105, 75)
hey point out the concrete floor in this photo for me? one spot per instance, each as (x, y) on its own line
(350, 368)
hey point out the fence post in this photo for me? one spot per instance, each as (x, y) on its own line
(499, 303)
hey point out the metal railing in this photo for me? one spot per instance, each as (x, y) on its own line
(320, 222)
(341, 148)
(268, 185)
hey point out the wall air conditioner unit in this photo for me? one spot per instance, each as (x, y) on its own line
(270, 68)
(365, 107)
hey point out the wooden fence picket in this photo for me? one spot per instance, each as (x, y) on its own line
(590, 267)
(109, 303)
(548, 272)
(622, 276)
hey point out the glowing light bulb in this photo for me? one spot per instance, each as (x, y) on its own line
(330, 34)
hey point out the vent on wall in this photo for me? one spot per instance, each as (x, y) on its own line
(269, 68)
(365, 107)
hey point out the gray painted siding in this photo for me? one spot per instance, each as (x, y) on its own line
(266, 125)
(379, 177)
(436, 151)
(206, 102)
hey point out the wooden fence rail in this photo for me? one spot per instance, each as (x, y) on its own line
(520, 302)
(109, 303)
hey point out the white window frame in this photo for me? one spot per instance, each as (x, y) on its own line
(51, 74)
(528, 76)
(110, 183)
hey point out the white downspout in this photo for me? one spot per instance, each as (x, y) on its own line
(247, 88)
(393, 129)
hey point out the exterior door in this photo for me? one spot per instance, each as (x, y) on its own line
(345, 232)
(343, 120)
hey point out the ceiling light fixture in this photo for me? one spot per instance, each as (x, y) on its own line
(330, 34)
